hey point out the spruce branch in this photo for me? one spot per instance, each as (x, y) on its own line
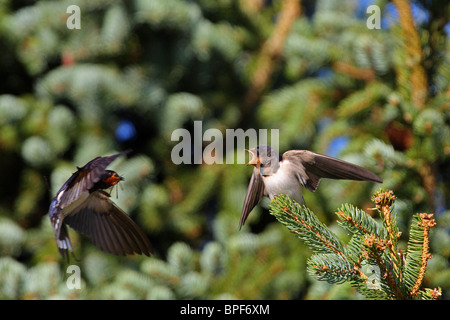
(418, 251)
(384, 202)
(356, 221)
(371, 260)
(332, 267)
(305, 224)
(348, 69)
(412, 46)
(271, 52)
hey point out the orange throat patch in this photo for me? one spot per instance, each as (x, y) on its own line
(112, 180)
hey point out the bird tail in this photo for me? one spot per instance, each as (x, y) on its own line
(64, 245)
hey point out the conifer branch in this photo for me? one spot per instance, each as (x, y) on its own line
(376, 248)
(356, 221)
(350, 70)
(271, 51)
(305, 224)
(384, 202)
(418, 250)
(373, 244)
(427, 223)
(411, 40)
(333, 268)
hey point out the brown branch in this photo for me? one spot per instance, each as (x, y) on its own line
(270, 53)
(353, 71)
(327, 269)
(427, 222)
(353, 222)
(383, 202)
(411, 41)
(428, 179)
(376, 245)
(252, 6)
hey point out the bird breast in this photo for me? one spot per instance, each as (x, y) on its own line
(283, 182)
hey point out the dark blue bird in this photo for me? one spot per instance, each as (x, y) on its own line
(83, 204)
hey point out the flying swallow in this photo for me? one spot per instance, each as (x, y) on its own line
(287, 175)
(83, 204)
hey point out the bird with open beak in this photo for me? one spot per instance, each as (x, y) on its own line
(287, 175)
(84, 205)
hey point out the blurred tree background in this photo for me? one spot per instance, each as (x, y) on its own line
(137, 70)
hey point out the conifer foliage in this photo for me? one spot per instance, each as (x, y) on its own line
(372, 259)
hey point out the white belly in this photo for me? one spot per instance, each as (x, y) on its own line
(282, 183)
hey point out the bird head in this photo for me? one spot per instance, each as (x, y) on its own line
(111, 178)
(264, 157)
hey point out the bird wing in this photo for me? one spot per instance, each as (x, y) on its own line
(255, 192)
(310, 167)
(109, 228)
(83, 180)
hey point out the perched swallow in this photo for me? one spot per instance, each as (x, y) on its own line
(83, 204)
(273, 175)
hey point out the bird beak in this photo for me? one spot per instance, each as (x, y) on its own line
(255, 158)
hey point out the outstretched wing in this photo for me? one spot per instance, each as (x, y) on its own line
(83, 180)
(109, 228)
(255, 192)
(310, 167)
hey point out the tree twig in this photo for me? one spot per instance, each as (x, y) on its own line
(271, 51)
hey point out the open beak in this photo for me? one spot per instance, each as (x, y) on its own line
(255, 158)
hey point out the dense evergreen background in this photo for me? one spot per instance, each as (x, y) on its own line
(137, 70)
